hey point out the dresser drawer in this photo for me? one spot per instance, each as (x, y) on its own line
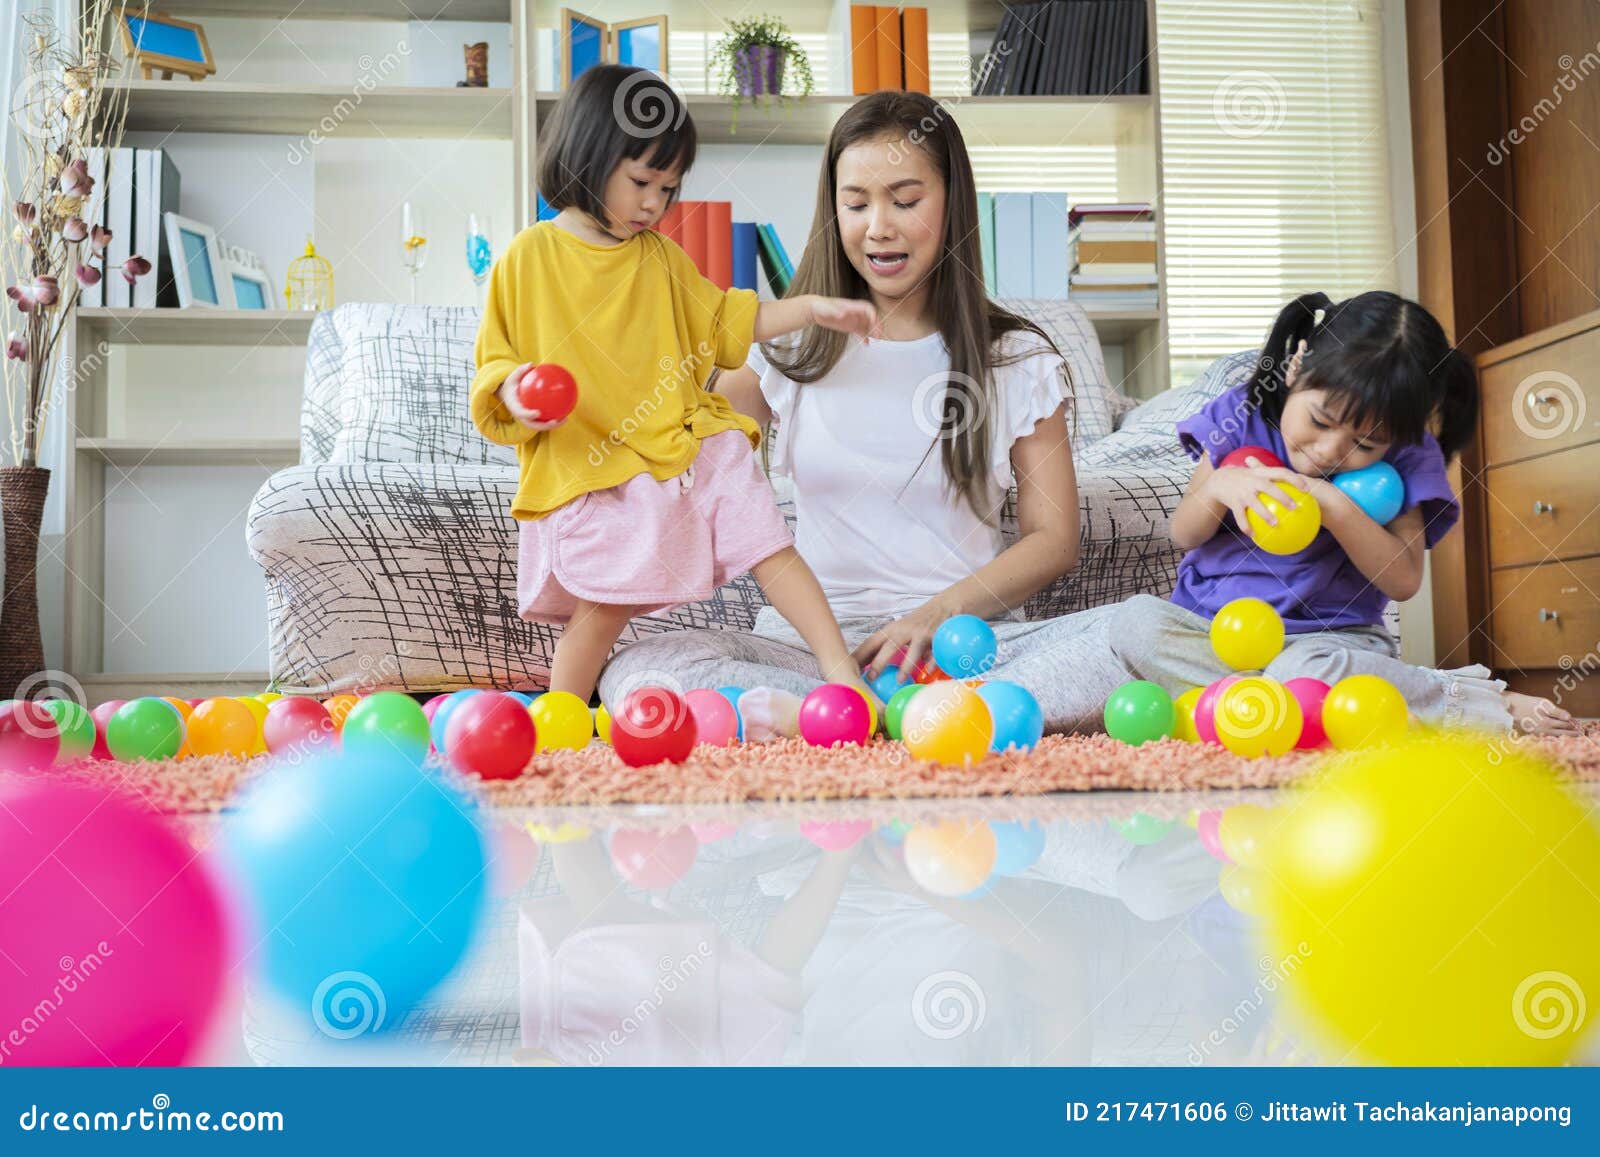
(1544, 508)
(1542, 400)
(1542, 613)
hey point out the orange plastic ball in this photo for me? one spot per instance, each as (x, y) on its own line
(950, 858)
(184, 710)
(339, 706)
(222, 727)
(948, 723)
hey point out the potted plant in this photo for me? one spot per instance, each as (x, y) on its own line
(48, 254)
(755, 57)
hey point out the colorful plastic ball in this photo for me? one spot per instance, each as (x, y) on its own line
(1242, 832)
(711, 831)
(964, 646)
(269, 697)
(1377, 489)
(258, 711)
(513, 855)
(1362, 710)
(894, 832)
(1296, 525)
(731, 694)
(522, 697)
(75, 726)
(835, 835)
(30, 738)
(887, 683)
(1183, 724)
(339, 708)
(563, 833)
(1018, 719)
(894, 709)
(296, 721)
(549, 390)
(947, 723)
(147, 728)
(1242, 888)
(653, 725)
(602, 723)
(1208, 826)
(222, 727)
(951, 858)
(1139, 712)
(651, 859)
(1242, 456)
(109, 914)
(1311, 694)
(387, 721)
(1439, 899)
(184, 709)
(1142, 829)
(491, 736)
(835, 713)
(101, 715)
(562, 720)
(1257, 716)
(1018, 844)
(439, 720)
(1247, 634)
(363, 878)
(716, 721)
(1205, 709)
(927, 673)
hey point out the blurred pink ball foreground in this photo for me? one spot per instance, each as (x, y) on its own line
(29, 737)
(114, 931)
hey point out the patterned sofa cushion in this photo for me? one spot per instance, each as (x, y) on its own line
(1095, 401)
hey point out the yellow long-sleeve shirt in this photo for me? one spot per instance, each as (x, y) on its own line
(639, 329)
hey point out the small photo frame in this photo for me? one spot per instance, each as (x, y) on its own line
(583, 44)
(641, 43)
(166, 45)
(198, 270)
(252, 289)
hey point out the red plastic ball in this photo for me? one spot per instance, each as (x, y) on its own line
(30, 738)
(653, 725)
(927, 672)
(101, 716)
(297, 719)
(1261, 454)
(549, 390)
(1205, 709)
(490, 735)
(1309, 693)
(653, 859)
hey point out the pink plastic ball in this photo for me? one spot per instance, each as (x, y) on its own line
(649, 859)
(711, 831)
(513, 855)
(715, 720)
(1309, 693)
(491, 735)
(1205, 708)
(835, 713)
(297, 720)
(110, 918)
(835, 835)
(30, 739)
(101, 716)
(1207, 825)
(429, 710)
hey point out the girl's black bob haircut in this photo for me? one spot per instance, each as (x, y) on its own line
(610, 114)
(1383, 360)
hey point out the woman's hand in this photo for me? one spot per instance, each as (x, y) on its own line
(912, 634)
(507, 393)
(1239, 488)
(846, 315)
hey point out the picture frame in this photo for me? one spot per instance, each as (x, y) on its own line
(641, 43)
(252, 288)
(198, 270)
(165, 44)
(586, 41)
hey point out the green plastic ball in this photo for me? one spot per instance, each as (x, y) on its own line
(387, 722)
(148, 728)
(1138, 712)
(896, 708)
(1140, 828)
(76, 726)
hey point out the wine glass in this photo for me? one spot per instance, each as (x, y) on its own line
(480, 249)
(413, 243)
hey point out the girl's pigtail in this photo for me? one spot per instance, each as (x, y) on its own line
(1456, 382)
(1295, 324)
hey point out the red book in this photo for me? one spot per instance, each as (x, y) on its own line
(671, 224)
(888, 41)
(914, 40)
(719, 243)
(694, 232)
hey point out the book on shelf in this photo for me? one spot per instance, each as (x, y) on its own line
(986, 240)
(727, 252)
(155, 192)
(1068, 48)
(1112, 253)
(881, 47)
(774, 261)
(746, 246)
(1024, 240)
(94, 214)
(119, 219)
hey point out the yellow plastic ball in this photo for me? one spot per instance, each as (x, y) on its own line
(562, 721)
(1363, 710)
(1242, 831)
(222, 727)
(269, 697)
(1241, 887)
(1247, 634)
(1183, 709)
(566, 833)
(950, 858)
(1297, 525)
(949, 723)
(602, 723)
(1438, 897)
(258, 710)
(1257, 716)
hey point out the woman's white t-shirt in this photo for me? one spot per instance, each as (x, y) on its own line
(876, 521)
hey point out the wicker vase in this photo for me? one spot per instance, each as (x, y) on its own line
(22, 492)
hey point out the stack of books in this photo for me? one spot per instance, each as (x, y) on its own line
(1024, 238)
(883, 46)
(1113, 256)
(1066, 48)
(132, 189)
(727, 251)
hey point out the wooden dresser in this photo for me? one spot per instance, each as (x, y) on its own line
(1538, 547)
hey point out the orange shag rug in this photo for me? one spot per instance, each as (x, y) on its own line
(792, 771)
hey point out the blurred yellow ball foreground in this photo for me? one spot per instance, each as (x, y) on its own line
(1442, 900)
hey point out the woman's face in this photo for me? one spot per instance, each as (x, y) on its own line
(890, 203)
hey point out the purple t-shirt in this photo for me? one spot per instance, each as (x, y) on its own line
(1315, 589)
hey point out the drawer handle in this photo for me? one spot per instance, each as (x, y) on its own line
(1543, 507)
(1548, 616)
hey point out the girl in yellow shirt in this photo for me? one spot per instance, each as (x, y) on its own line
(648, 494)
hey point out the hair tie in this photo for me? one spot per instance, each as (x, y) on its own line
(1316, 318)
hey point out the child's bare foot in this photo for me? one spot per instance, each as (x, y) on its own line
(769, 714)
(1532, 715)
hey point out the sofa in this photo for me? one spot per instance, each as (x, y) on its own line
(390, 555)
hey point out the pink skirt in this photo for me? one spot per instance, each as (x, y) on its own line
(653, 545)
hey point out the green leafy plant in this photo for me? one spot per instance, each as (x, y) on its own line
(727, 58)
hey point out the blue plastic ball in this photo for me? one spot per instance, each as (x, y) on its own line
(887, 683)
(894, 832)
(1378, 489)
(1018, 719)
(731, 694)
(964, 646)
(441, 717)
(521, 697)
(1017, 844)
(362, 881)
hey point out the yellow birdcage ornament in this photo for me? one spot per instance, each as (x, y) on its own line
(309, 284)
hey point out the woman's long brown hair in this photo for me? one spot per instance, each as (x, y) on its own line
(969, 322)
